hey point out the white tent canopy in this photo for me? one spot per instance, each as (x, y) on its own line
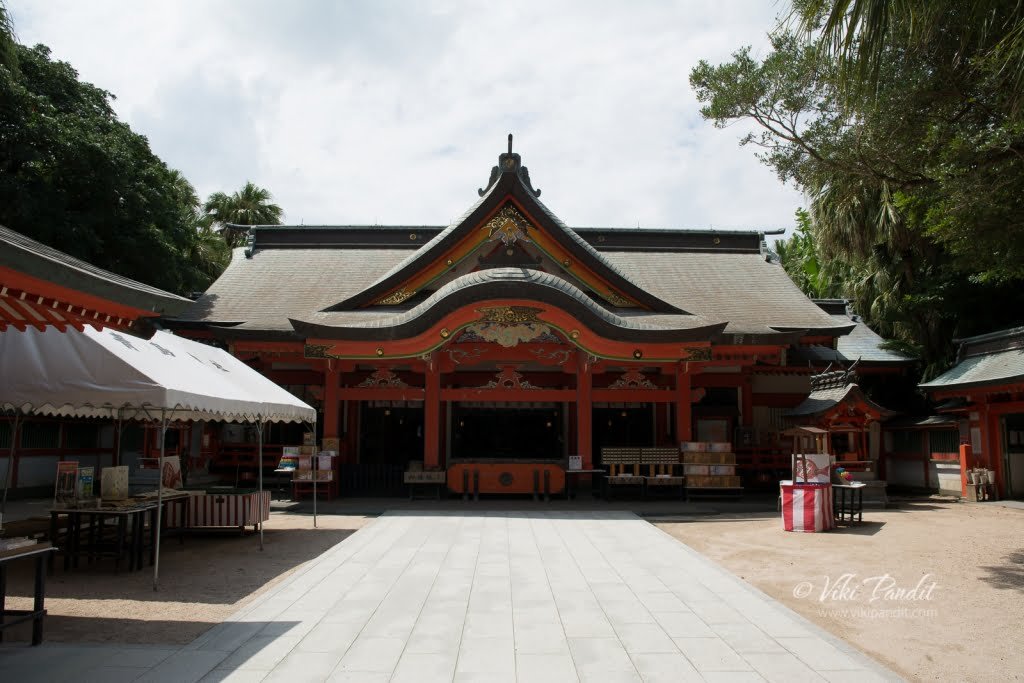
(110, 374)
(99, 373)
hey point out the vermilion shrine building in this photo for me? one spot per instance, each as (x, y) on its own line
(509, 336)
(984, 391)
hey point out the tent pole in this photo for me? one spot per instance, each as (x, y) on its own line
(316, 473)
(159, 498)
(259, 467)
(10, 466)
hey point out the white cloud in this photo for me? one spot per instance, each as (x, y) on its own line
(394, 112)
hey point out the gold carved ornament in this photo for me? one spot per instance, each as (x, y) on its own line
(395, 297)
(509, 315)
(615, 299)
(508, 225)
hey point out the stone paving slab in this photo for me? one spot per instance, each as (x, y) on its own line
(489, 596)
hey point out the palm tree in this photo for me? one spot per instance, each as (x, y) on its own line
(982, 35)
(249, 206)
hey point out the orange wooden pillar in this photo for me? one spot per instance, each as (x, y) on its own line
(584, 411)
(332, 405)
(432, 415)
(684, 426)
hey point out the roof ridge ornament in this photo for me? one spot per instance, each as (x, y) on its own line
(509, 162)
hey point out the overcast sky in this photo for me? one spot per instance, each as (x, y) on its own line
(394, 112)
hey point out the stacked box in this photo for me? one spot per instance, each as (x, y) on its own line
(709, 465)
(713, 482)
(703, 458)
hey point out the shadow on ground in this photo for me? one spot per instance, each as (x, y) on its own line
(1009, 575)
(214, 568)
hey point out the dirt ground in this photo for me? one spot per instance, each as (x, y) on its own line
(202, 581)
(858, 582)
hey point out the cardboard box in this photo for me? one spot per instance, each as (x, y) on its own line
(713, 482)
(720, 447)
(722, 469)
(710, 458)
(691, 470)
(693, 446)
(331, 444)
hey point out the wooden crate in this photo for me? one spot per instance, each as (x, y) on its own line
(722, 470)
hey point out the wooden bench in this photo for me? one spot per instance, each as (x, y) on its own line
(662, 471)
(623, 466)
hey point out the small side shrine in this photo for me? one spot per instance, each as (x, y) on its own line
(838, 406)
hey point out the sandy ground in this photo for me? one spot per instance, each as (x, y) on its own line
(202, 581)
(967, 627)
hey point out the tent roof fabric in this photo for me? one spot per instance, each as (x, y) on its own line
(109, 374)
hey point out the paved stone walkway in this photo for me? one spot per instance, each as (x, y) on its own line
(506, 596)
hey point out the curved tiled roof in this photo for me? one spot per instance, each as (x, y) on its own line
(498, 283)
(822, 400)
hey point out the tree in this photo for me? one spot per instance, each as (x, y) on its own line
(987, 36)
(8, 56)
(249, 206)
(916, 184)
(75, 177)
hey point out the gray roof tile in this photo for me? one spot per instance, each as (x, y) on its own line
(264, 291)
(822, 400)
(994, 368)
(754, 296)
(865, 344)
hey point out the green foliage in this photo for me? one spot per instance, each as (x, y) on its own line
(75, 177)
(8, 57)
(984, 39)
(911, 151)
(249, 206)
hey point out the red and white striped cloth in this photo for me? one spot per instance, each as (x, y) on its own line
(807, 507)
(223, 509)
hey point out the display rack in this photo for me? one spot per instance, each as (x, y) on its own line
(710, 469)
(316, 474)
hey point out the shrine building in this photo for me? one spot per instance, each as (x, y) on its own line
(509, 337)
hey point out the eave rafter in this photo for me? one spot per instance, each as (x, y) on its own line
(21, 309)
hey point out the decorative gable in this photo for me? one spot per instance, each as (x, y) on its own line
(508, 227)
